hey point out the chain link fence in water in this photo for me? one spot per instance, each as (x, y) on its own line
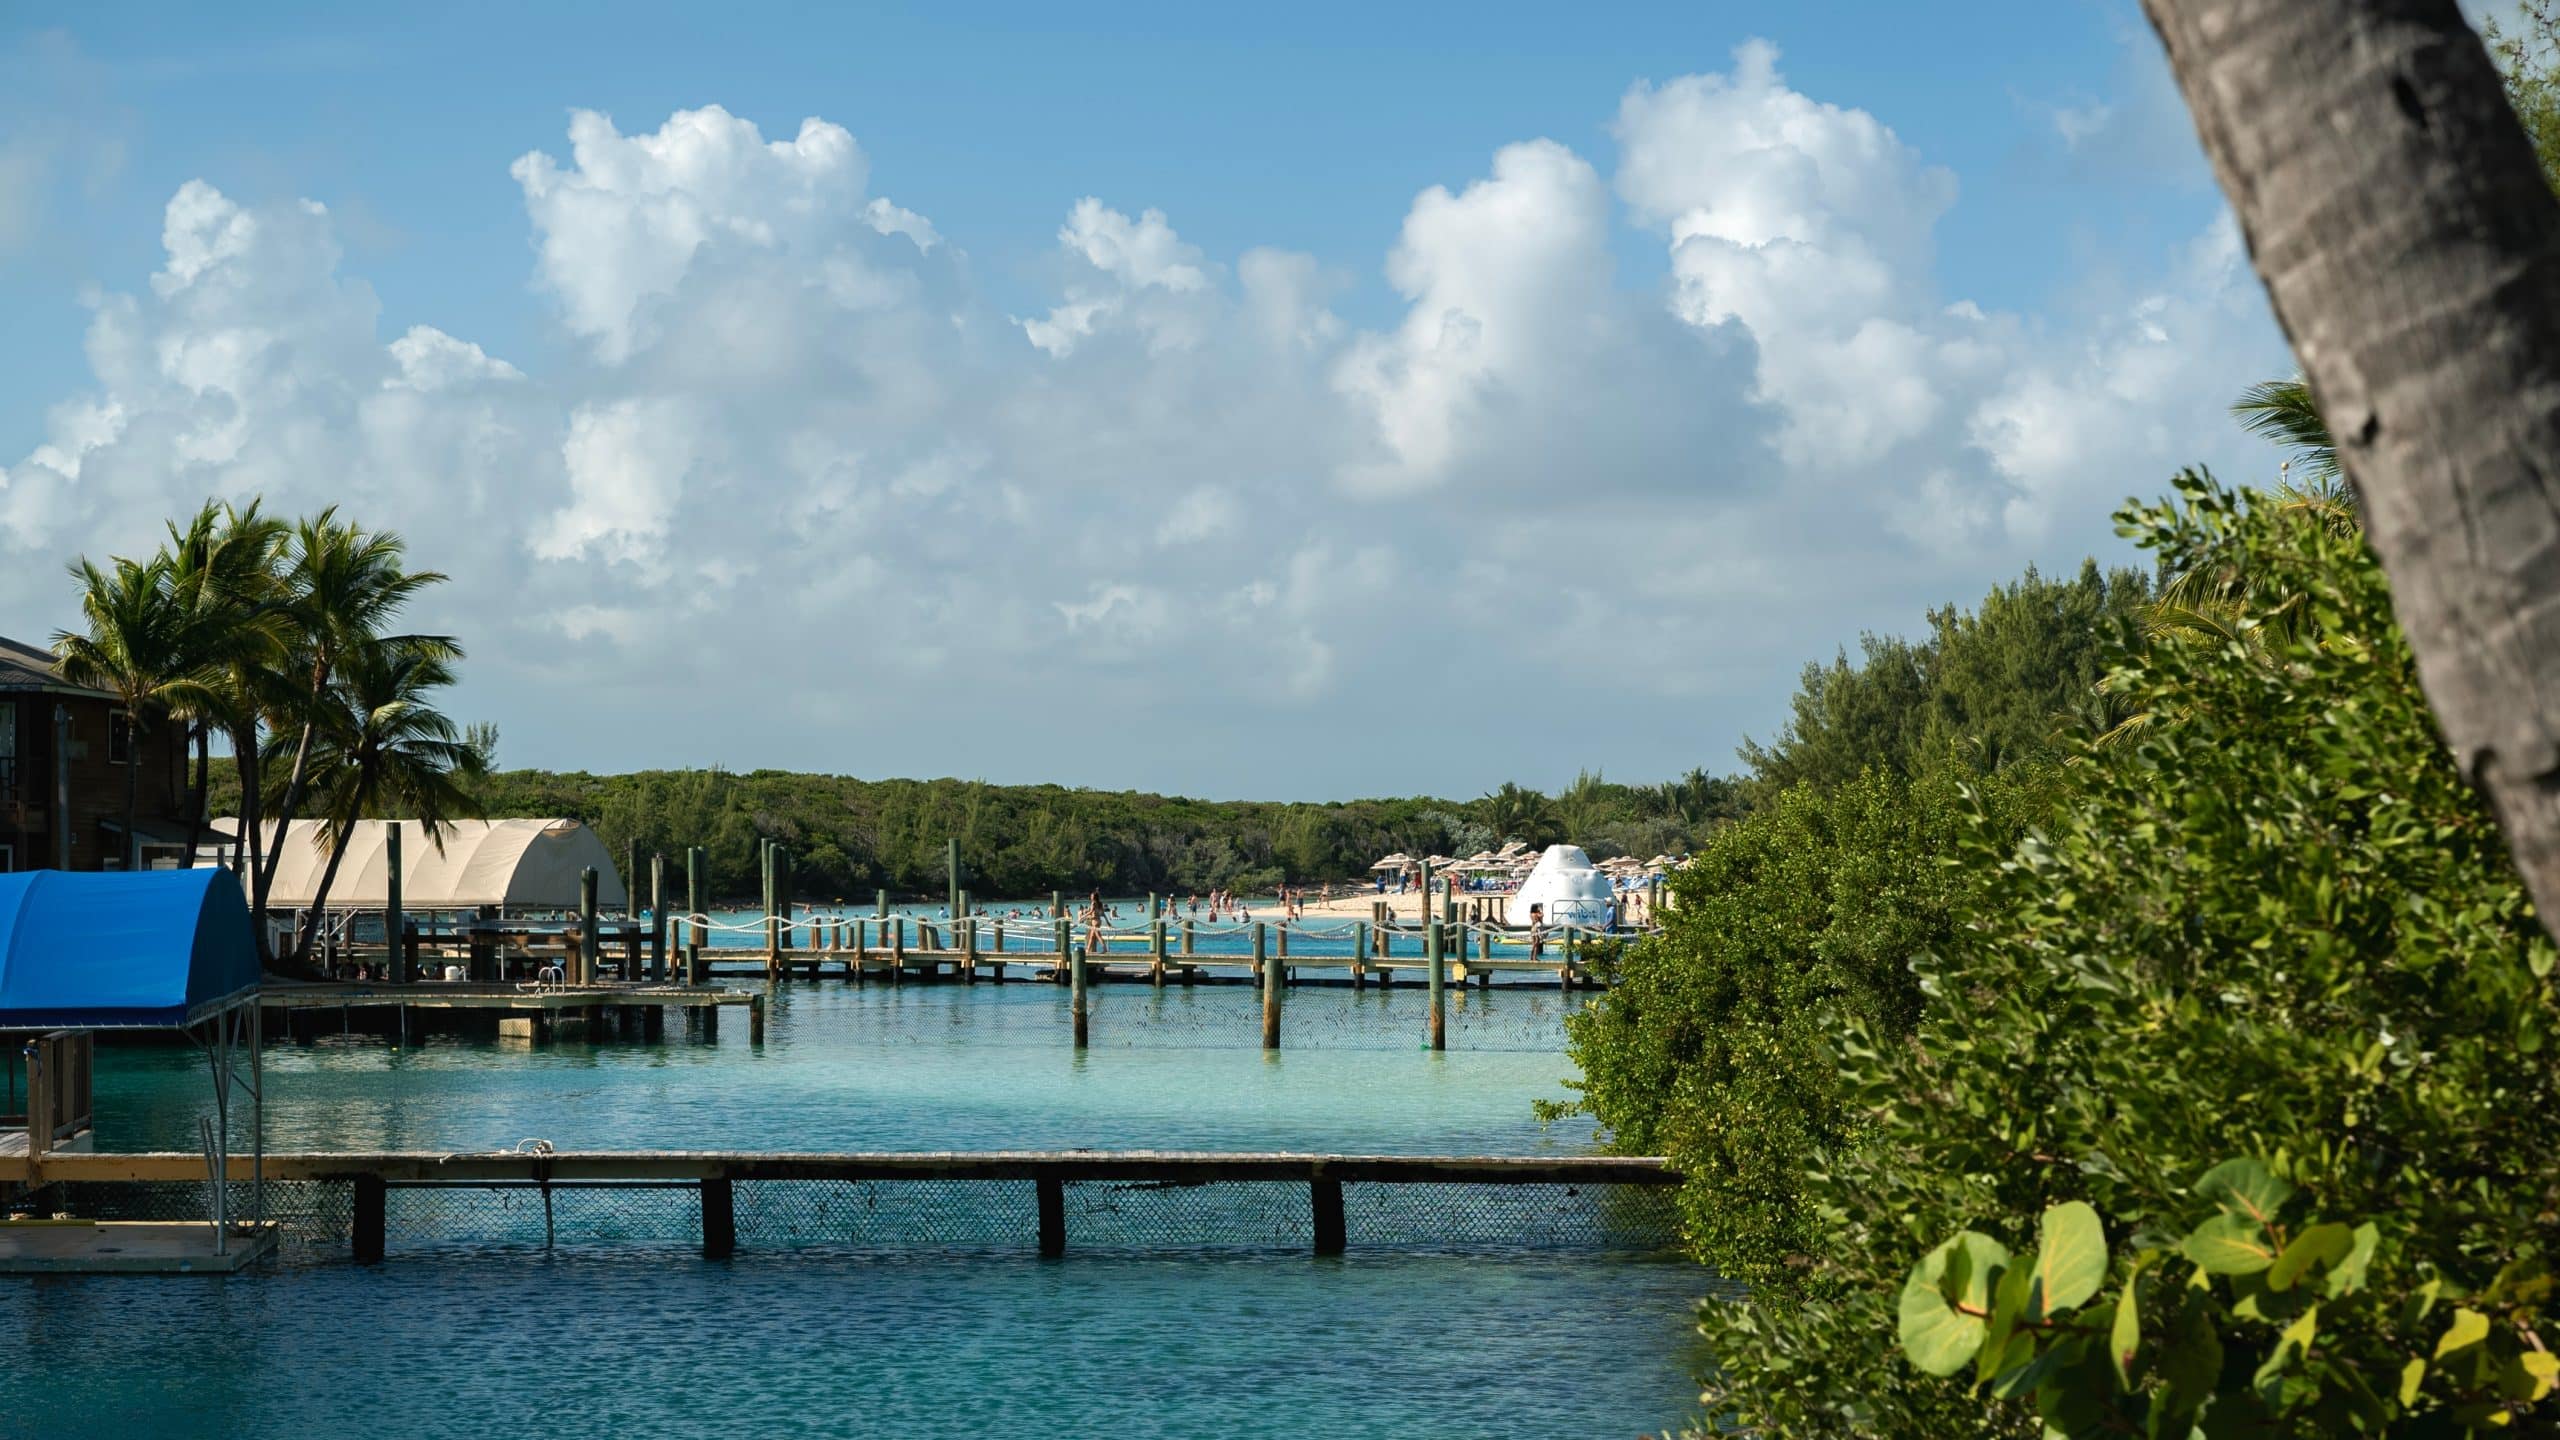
(992, 1217)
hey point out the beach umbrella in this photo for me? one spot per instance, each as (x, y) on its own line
(1397, 861)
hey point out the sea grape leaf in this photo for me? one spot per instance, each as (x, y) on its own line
(2245, 1187)
(2230, 1244)
(1946, 1302)
(2071, 1258)
(2320, 1245)
(2347, 1276)
(2008, 1302)
(2469, 1327)
(2124, 1338)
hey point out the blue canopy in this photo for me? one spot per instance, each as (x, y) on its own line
(156, 948)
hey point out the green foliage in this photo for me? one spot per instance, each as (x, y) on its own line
(2273, 923)
(1712, 1043)
(1996, 684)
(2280, 411)
(2250, 1325)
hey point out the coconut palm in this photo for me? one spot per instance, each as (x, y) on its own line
(1516, 812)
(342, 587)
(223, 585)
(134, 648)
(2281, 411)
(380, 747)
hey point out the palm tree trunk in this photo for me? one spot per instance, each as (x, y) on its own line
(2411, 245)
(252, 841)
(132, 782)
(318, 913)
(203, 788)
(291, 800)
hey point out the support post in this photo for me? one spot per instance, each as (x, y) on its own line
(1326, 1192)
(1076, 993)
(1359, 953)
(1271, 969)
(951, 862)
(695, 861)
(372, 1208)
(1439, 962)
(395, 955)
(1053, 1216)
(772, 924)
(589, 937)
(658, 916)
(1155, 938)
(755, 1018)
(968, 939)
(719, 1218)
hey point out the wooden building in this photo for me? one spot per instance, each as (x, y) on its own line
(65, 753)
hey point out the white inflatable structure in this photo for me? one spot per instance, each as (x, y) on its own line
(1569, 890)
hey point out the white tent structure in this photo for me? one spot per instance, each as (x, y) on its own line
(1568, 887)
(512, 864)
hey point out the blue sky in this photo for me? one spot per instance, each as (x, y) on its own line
(1169, 513)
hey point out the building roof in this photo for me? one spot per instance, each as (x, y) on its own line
(25, 667)
(156, 949)
(519, 864)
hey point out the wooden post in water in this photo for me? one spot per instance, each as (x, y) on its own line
(968, 939)
(371, 1210)
(587, 936)
(1272, 973)
(1076, 993)
(1155, 935)
(719, 1219)
(395, 955)
(782, 891)
(951, 860)
(1326, 1193)
(1052, 1198)
(658, 915)
(695, 862)
(1359, 953)
(1439, 962)
(772, 935)
(755, 1017)
(631, 878)
(1065, 934)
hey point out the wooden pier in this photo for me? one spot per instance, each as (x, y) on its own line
(717, 1174)
(526, 1009)
(1132, 966)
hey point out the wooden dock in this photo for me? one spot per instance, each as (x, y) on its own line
(1134, 966)
(527, 1009)
(716, 1175)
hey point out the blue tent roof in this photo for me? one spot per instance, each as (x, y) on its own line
(144, 948)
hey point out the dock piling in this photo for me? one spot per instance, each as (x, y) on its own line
(694, 915)
(719, 1218)
(588, 934)
(1076, 993)
(1053, 1216)
(1433, 952)
(1272, 974)
(394, 923)
(1326, 1193)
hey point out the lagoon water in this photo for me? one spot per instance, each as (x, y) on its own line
(649, 1342)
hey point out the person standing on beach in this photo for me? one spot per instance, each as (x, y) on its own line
(1094, 943)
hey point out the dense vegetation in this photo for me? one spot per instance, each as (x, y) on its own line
(2232, 1026)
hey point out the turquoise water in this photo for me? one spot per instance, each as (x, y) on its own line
(656, 1341)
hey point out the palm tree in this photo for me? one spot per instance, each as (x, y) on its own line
(223, 584)
(1516, 812)
(342, 587)
(133, 649)
(2281, 411)
(381, 748)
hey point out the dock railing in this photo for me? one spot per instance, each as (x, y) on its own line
(367, 1207)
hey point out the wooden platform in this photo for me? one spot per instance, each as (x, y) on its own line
(438, 995)
(127, 1247)
(1136, 963)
